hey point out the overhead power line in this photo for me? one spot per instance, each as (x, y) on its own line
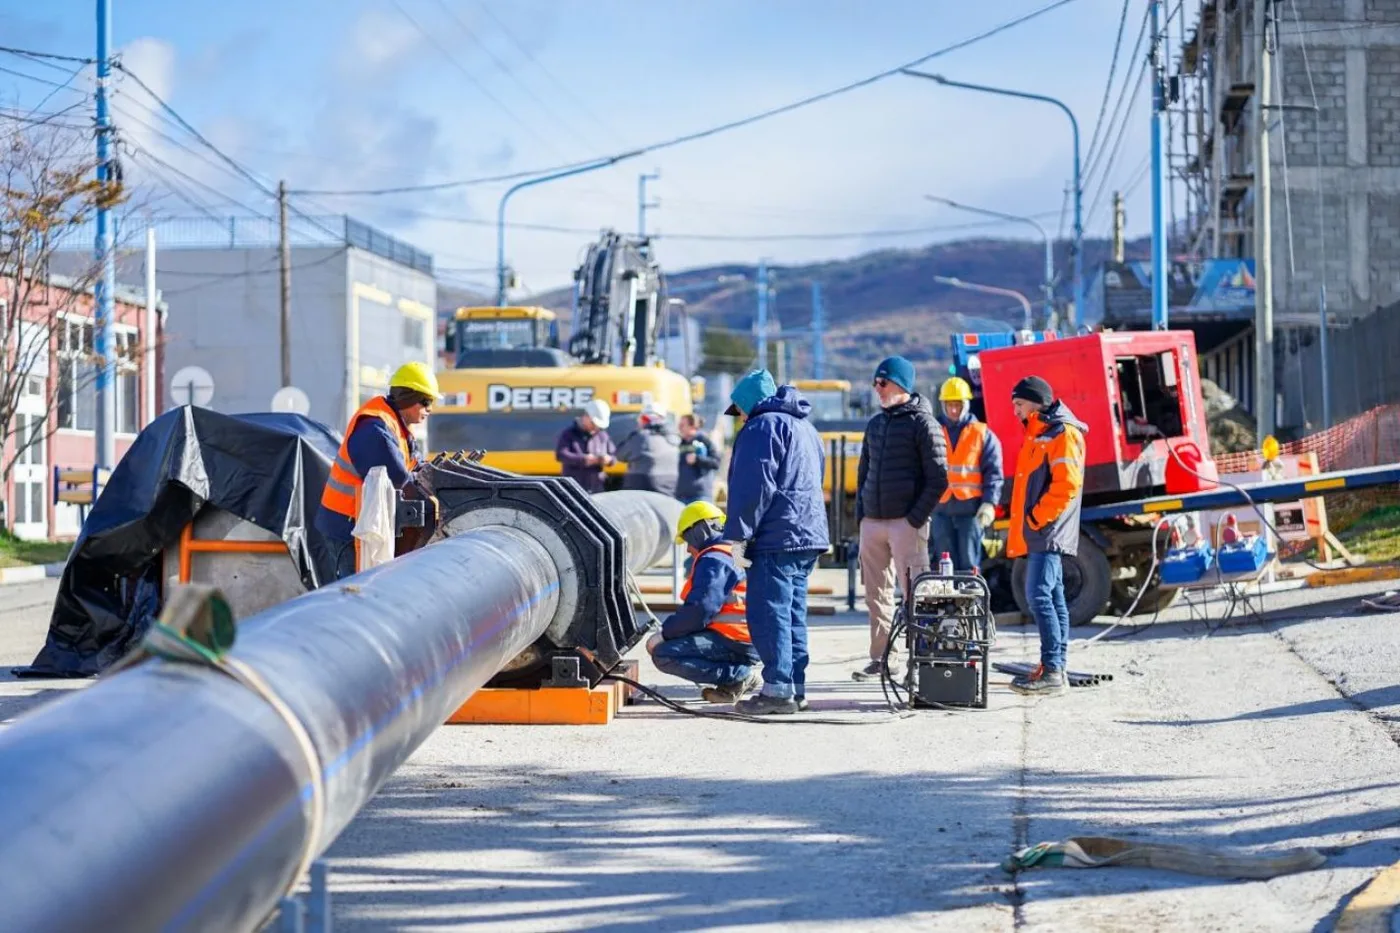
(1112, 70)
(713, 130)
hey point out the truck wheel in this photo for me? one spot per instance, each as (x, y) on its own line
(1087, 583)
(1156, 599)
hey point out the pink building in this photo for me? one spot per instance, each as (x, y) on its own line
(59, 399)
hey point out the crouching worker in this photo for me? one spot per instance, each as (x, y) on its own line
(706, 640)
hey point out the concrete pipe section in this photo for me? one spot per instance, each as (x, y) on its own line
(171, 797)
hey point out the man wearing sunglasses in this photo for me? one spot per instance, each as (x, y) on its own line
(377, 435)
(903, 472)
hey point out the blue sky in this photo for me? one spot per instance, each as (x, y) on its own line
(353, 94)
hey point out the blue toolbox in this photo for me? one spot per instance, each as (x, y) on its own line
(1248, 555)
(1185, 566)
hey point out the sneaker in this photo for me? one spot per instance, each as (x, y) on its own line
(871, 671)
(1042, 682)
(802, 704)
(764, 705)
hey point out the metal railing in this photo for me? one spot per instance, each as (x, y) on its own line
(252, 232)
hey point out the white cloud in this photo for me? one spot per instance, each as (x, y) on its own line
(380, 42)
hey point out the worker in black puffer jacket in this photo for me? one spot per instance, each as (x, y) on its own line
(903, 472)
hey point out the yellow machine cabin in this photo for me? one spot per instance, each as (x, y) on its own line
(831, 416)
(516, 413)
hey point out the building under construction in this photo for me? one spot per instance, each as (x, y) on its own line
(1333, 106)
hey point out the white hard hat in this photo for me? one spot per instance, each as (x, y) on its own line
(598, 410)
(654, 412)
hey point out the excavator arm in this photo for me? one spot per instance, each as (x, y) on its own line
(618, 302)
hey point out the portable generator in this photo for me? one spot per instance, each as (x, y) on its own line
(948, 630)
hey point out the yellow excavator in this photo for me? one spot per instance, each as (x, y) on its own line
(513, 387)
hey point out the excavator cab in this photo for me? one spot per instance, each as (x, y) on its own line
(486, 338)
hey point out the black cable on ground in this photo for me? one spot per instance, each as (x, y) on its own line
(735, 716)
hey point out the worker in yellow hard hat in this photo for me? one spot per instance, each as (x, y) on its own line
(706, 641)
(378, 435)
(969, 503)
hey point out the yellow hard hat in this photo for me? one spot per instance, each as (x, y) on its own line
(955, 389)
(696, 512)
(1269, 448)
(418, 377)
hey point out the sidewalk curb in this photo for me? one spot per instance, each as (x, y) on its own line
(1370, 910)
(12, 575)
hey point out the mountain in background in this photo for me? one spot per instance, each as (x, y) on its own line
(876, 304)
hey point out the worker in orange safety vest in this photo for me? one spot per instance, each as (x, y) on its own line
(378, 435)
(968, 506)
(706, 640)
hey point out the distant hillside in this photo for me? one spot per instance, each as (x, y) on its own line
(880, 303)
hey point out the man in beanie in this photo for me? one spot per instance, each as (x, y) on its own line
(1045, 504)
(903, 471)
(777, 528)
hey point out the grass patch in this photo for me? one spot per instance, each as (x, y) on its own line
(1375, 534)
(18, 553)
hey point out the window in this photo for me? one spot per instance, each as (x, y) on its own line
(415, 337)
(1149, 397)
(77, 379)
(29, 429)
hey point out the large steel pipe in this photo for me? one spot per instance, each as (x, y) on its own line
(647, 521)
(171, 798)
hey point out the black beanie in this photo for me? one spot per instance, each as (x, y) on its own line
(1034, 389)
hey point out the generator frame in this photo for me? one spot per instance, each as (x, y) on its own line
(949, 630)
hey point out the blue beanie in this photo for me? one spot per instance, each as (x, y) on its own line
(897, 370)
(749, 391)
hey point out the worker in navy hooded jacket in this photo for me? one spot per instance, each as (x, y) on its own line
(777, 525)
(706, 640)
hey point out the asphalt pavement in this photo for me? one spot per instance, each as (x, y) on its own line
(1263, 736)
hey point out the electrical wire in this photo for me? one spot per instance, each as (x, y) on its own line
(734, 716)
(1108, 85)
(720, 128)
(1091, 159)
(44, 58)
(136, 150)
(472, 79)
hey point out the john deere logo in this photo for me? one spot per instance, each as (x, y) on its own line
(536, 398)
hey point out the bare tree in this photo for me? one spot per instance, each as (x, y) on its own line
(49, 193)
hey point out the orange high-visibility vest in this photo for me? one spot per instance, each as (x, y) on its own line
(965, 462)
(343, 486)
(730, 621)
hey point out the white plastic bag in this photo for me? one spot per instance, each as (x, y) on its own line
(375, 525)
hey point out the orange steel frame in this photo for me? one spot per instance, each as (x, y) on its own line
(190, 545)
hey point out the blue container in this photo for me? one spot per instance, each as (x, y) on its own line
(1246, 556)
(1184, 566)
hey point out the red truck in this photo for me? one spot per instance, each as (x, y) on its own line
(1139, 392)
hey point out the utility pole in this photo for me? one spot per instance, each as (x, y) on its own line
(106, 449)
(285, 252)
(818, 333)
(1263, 221)
(150, 327)
(1159, 214)
(643, 205)
(1119, 225)
(762, 322)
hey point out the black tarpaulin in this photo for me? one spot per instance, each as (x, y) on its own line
(268, 469)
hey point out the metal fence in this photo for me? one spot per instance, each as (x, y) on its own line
(1362, 369)
(258, 233)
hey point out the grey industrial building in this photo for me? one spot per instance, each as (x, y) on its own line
(1335, 182)
(362, 304)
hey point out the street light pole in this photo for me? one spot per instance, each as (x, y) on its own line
(1049, 249)
(529, 183)
(987, 290)
(1078, 184)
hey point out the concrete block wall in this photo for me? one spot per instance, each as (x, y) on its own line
(1383, 106)
(1384, 237)
(1383, 11)
(1321, 9)
(1325, 74)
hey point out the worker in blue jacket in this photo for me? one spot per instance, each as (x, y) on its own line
(777, 524)
(706, 640)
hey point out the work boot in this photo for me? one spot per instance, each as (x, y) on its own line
(802, 704)
(729, 694)
(1041, 682)
(764, 705)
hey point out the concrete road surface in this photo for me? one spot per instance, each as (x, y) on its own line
(1262, 736)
